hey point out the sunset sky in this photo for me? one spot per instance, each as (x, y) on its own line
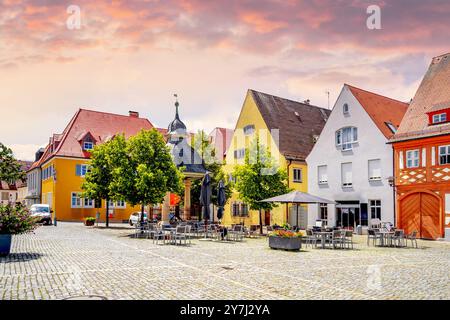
(133, 55)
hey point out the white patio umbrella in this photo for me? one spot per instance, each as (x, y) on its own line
(297, 197)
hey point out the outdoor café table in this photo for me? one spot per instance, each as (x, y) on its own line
(384, 236)
(323, 237)
(170, 231)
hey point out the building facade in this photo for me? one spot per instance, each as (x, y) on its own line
(422, 156)
(288, 129)
(351, 163)
(65, 162)
(220, 138)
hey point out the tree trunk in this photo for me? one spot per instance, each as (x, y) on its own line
(142, 213)
(260, 221)
(107, 212)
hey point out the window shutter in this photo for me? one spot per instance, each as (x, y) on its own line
(400, 159)
(374, 169)
(78, 170)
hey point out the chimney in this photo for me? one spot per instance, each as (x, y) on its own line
(133, 114)
(307, 101)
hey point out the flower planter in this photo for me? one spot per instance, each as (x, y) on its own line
(5, 244)
(294, 243)
(89, 223)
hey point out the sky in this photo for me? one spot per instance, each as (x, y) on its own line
(134, 55)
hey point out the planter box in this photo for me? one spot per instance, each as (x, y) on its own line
(5, 244)
(285, 243)
(89, 223)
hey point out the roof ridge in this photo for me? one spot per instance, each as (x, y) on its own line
(377, 94)
(295, 101)
(115, 114)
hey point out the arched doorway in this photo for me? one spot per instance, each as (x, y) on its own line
(421, 211)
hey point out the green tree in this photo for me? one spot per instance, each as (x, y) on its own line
(10, 168)
(97, 183)
(206, 150)
(259, 178)
(147, 172)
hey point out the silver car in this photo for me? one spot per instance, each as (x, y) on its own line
(136, 216)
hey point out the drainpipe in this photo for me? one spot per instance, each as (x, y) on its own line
(393, 185)
(288, 175)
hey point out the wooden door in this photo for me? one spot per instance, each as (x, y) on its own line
(267, 218)
(430, 222)
(420, 211)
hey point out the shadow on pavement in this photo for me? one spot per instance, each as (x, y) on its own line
(20, 257)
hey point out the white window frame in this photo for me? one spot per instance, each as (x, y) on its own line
(319, 176)
(85, 143)
(447, 153)
(440, 117)
(78, 200)
(90, 203)
(374, 178)
(412, 158)
(240, 153)
(345, 108)
(380, 206)
(117, 204)
(346, 184)
(347, 145)
(298, 170)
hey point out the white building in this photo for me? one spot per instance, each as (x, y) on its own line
(351, 163)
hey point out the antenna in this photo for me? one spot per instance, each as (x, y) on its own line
(328, 95)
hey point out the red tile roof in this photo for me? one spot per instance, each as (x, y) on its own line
(381, 109)
(102, 126)
(433, 93)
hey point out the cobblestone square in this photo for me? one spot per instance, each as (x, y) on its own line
(73, 260)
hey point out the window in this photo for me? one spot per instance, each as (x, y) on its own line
(239, 154)
(391, 127)
(239, 209)
(375, 170)
(345, 108)
(88, 203)
(412, 158)
(346, 175)
(438, 118)
(322, 174)
(346, 137)
(76, 200)
(297, 175)
(117, 204)
(244, 209)
(375, 209)
(444, 154)
(248, 130)
(323, 211)
(88, 145)
(235, 209)
(81, 169)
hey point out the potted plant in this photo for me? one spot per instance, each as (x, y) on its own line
(14, 220)
(89, 221)
(285, 239)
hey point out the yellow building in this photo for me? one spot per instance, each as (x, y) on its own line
(289, 129)
(65, 160)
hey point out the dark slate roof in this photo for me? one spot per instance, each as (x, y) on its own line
(176, 124)
(298, 123)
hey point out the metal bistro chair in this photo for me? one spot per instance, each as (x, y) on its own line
(310, 238)
(237, 233)
(151, 229)
(159, 234)
(140, 228)
(348, 239)
(372, 234)
(412, 237)
(182, 234)
(398, 238)
(337, 238)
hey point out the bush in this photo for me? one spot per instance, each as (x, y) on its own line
(16, 220)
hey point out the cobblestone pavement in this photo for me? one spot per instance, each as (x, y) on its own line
(72, 260)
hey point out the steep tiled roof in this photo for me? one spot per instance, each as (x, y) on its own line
(433, 93)
(382, 110)
(102, 126)
(298, 123)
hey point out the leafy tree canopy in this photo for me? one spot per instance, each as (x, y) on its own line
(10, 168)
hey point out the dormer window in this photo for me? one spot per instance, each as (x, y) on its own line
(440, 117)
(88, 145)
(438, 114)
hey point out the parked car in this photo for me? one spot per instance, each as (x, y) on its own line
(136, 216)
(43, 212)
